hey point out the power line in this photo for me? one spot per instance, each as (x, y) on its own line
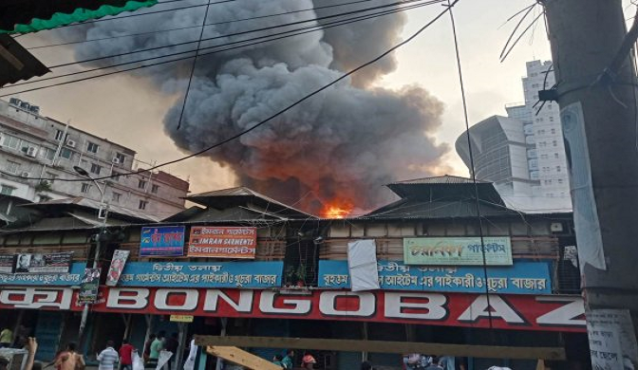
(244, 43)
(284, 110)
(237, 33)
(210, 24)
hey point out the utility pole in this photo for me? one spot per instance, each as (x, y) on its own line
(599, 117)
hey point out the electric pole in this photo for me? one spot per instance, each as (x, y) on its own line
(598, 105)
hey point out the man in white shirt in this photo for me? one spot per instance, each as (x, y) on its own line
(109, 357)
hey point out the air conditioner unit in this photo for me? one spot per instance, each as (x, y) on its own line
(24, 174)
(116, 160)
(31, 151)
(71, 143)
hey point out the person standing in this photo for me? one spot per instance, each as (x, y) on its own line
(6, 338)
(126, 355)
(156, 347)
(287, 362)
(277, 360)
(434, 365)
(69, 359)
(172, 346)
(108, 357)
(146, 355)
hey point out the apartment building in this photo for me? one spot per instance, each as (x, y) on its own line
(38, 155)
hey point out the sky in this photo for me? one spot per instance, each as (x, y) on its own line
(125, 110)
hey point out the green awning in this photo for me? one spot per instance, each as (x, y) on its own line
(26, 16)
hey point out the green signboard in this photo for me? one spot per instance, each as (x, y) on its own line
(457, 251)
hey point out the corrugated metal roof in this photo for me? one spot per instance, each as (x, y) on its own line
(445, 179)
(16, 63)
(89, 203)
(423, 209)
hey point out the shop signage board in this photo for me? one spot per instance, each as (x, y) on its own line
(42, 263)
(222, 242)
(167, 241)
(514, 312)
(457, 251)
(7, 262)
(520, 278)
(249, 274)
(182, 318)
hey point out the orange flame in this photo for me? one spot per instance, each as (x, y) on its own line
(337, 208)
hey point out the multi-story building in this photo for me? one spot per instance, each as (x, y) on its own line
(531, 135)
(38, 155)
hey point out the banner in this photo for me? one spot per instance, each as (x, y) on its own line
(89, 286)
(520, 278)
(39, 263)
(7, 262)
(117, 266)
(222, 242)
(457, 251)
(513, 312)
(165, 241)
(362, 265)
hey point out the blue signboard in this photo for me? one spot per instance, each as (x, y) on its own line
(170, 274)
(162, 241)
(74, 277)
(203, 274)
(520, 278)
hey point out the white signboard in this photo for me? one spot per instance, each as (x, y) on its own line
(612, 342)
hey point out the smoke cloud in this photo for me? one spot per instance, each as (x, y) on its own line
(341, 145)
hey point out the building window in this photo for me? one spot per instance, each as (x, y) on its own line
(47, 153)
(13, 167)
(141, 184)
(58, 135)
(560, 181)
(66, 153)
(96, 168)
(143, 204)
(555, 143)
(50, 177)
(155, 189)
(557, 168)
(85, 188)
(92, 147)
(556, 155)
(116, 197)
(10, 141)
(115, 176)
(6, 189)
(551, 119)
(119, 158)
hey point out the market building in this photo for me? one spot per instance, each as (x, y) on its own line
(244, 270)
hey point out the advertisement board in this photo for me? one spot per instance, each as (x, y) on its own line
(521, 278)
(222, 242)
(7, 263)
(457, 251)
(512, 312)
(90, 286)
(165, 241)
(117, 266)
(43, 263)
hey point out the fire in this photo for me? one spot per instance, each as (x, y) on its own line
(337, 209)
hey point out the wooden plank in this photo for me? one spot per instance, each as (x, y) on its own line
(440, 349)
(241, 357)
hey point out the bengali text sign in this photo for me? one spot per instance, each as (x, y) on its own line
(457, 251)
(222, 242)
(162, 241)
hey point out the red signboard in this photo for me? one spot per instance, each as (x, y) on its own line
(516, 312)
(222, 242)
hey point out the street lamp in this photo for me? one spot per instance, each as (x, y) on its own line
(103, 214)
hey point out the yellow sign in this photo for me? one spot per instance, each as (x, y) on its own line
(182, 318)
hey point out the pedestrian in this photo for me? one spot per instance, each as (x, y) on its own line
(277, 360)
(192, 356)
(32, 347)
(6, 338)
(287, 362)
(146, 355)
(108, 357)
(172, 345)
(156, 347)
(365, 365)
(126, 355)
(307, 361)
(69, 359)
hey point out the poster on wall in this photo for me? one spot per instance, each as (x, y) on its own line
(222, 242)
(41, 263)
(117, 266)
(89, 286)
(458, 251)
(7, 263)
(167, 241)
